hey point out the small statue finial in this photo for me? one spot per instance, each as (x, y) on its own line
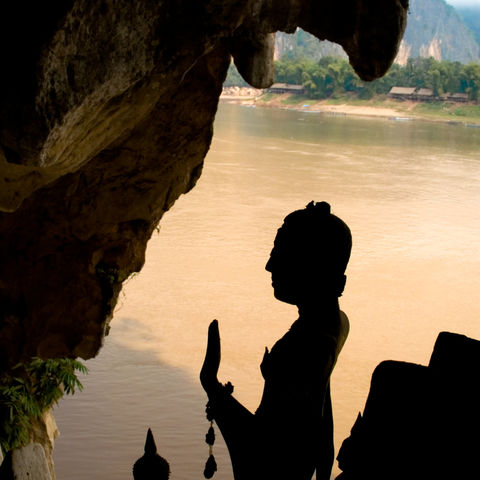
(151, 465)
(150, 447)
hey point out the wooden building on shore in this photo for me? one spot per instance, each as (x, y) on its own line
(456, 97)
(286, 88)
(425, 95)
(402, 93)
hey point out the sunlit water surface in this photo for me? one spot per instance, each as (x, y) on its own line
(410, 192)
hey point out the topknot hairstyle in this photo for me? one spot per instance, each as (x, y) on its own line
(318, 208)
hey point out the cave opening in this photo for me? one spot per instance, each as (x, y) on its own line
(105, 121)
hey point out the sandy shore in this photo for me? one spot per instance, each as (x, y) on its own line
(404, 111)
(314, 106)
(344, 109)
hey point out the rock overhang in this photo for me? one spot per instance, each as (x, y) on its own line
(106, 116)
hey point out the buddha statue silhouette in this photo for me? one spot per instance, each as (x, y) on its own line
(290, 436)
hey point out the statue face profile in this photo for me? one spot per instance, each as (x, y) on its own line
(292, 277)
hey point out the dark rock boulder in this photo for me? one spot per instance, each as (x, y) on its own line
(419, 422)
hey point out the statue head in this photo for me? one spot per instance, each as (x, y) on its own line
(310, 255)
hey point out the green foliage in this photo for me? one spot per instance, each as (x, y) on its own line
(266, 97)
(29, 391)
(447, 111)
(470, 80)
(332, 77)
(234, 79)
(430, 107)
(294, 99)
(471, 111)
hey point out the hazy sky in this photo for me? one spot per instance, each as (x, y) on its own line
(463, 3)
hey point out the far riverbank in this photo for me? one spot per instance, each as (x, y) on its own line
(379, 106)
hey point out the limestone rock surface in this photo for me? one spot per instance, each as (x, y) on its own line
(33, 461)
(30, 462)
(106, 114)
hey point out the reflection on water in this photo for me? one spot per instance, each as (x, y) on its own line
(410, 192)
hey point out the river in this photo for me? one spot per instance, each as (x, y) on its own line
(410, 192)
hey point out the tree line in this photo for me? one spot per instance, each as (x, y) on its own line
(332, 76)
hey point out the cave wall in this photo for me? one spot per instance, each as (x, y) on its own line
(106, 115)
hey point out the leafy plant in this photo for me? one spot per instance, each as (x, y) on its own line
(29, 391)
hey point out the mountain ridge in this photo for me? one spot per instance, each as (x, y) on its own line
(471, 17)
(434, 29)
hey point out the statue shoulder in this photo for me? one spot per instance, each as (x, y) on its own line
(344, 323)
(343, 331)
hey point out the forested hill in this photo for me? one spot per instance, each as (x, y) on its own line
(302, 45)
(434, 29)
(471, 17)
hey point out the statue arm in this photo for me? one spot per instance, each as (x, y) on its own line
(211, 363)
(235, 422)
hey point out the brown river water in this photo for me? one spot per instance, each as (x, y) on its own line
(410, 192)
